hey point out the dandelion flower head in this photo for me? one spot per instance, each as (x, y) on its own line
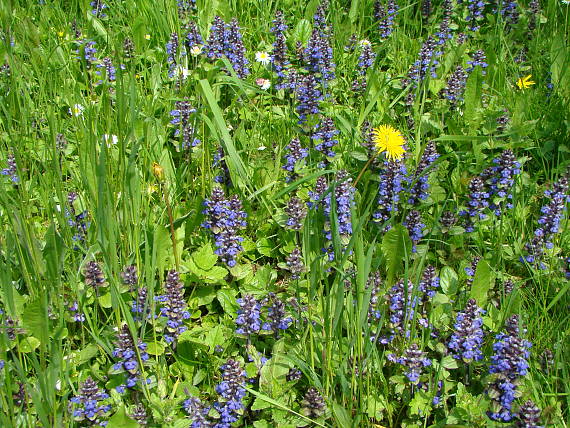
(388, 139)
(525, 82)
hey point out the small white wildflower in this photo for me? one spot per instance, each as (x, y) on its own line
(76, 110)
(147, 36)
(58, 385)
(196, 50)
(110, 139)
(181, 72)
(262, 57)
(264, 84)
(365, 43)
(261, 148)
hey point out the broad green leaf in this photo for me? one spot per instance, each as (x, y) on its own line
(53, 253)
(396, 246)
(265, 247)
(302, 31)
(155, 348)
(482, 282)
(227, 299)
(121, 420)
(86, 354)
(215, 336)
(204, 258)
(420, 404)
(272, 374)
(35, 320)
(161, 246)
(341, 415)
(105, 300)
(240, 271)
(375, 406)
(29, 344)
(97, 26)
(202, 263)
(448, 280)
(260, 404)
(473, 90)
(203, 295)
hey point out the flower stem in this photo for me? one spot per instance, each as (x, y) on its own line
(365, 167)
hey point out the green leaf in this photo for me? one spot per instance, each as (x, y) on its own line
(302, 31)
(53, 253)
(420, 404)
(35, 320)
(272, 374)
(182, 423)
(235, 163)
(155, 348)
(448, 280)
(396, 246)
(227, 299)
(264, 247)
(241, 271)
(29, 344)
(86, 354)
(473, 91)
(215, 336)
(260, 404)
(105, 301)
(449, 362)
(341, 415)
(121, 420)
(204, 258)
(161, 246)
(203, 295)
(482, 282)
(202, 263)
(97, 26)
(375, 406)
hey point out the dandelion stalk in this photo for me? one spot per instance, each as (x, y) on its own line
(365, 168)
(158, 172)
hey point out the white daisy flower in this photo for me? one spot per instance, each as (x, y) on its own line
(110, 139)
(181, 72)
(196, 50)
(365, 43)
(76, 110)
(262, 57)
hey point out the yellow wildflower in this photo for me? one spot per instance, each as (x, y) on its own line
(390, 140)
(157, 170)
(525, 82)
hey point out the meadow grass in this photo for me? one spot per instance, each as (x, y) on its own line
(96, 177)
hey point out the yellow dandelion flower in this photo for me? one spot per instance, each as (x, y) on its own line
(60, 34)
(151, 188)
(157, 170)
(525, 82)
(147, 36)
(390, 140)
